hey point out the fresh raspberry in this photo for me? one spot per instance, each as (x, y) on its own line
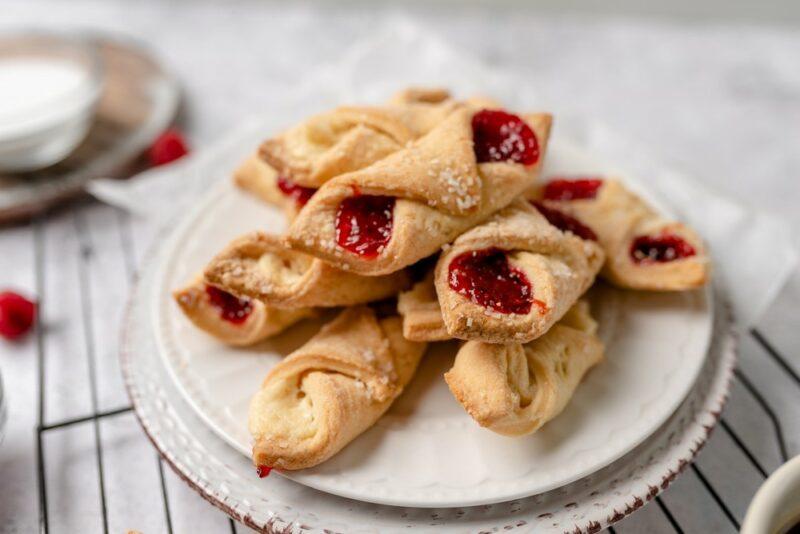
(17, 315)
(168, 147)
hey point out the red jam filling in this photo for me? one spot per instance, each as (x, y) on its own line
(487, 278)
(564, 222)
(562, 189)
(660, 249)
(296, 192)
(364, 224)
(501, 136)
(231, 308)
(263, 471)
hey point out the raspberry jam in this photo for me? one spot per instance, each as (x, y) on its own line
(296, 192)
(660, 249)
(263, 471)
(487, 278)
(564, 222)
(501, 136)
(364, 224)
(562, 189)
(231, 308)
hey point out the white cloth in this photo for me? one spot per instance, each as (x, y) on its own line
(753, 252)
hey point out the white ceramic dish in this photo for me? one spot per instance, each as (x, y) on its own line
(139, 100)
(54, 82)
(225, 478)
(776, 506)
(415, 456)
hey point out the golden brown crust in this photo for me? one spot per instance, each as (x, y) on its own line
(350, 150)
(260, 266)
(256, 177)
(330, 390)
(514, 389)
(349, 138)
(560, 267)
(430, 95)
(422, 316)
(440, 192)
(618, 216)
(263, 321)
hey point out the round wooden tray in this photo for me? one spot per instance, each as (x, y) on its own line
(139, 100)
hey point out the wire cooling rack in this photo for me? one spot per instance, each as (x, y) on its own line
(96, 415)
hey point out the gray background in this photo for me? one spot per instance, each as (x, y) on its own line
(713, 89)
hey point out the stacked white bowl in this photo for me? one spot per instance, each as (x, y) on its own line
(49, 87)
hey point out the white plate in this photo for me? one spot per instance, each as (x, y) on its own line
(225, 477)
(426, 451)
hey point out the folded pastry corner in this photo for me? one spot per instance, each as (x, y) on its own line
(430, 95)
(404, 207)
(234, 320)
(349, 138)
(260, 266)
(513, 389)
(512, 277)
(643, 249)
(422, 316)
(330, 390)
(255, 176)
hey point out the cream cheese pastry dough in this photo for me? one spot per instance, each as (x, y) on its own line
(512, 277)
(422, 316)
(330, 390)
(514, 388)
(643, 249)
(260, 266)
(349, 138)
(234, 320)
(256, 177)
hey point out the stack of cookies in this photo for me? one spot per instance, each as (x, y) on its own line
(426, 221)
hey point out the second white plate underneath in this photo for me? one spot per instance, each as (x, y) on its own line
(426, 451)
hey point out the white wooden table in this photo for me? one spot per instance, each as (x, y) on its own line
(721, 102)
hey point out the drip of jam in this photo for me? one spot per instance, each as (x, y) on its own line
(562, 189)
(364, 224)
(296, 192)
(231, 308)
(501, 136)
(263, 471)
(487, 278)
(564, 222)
(660, 249)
